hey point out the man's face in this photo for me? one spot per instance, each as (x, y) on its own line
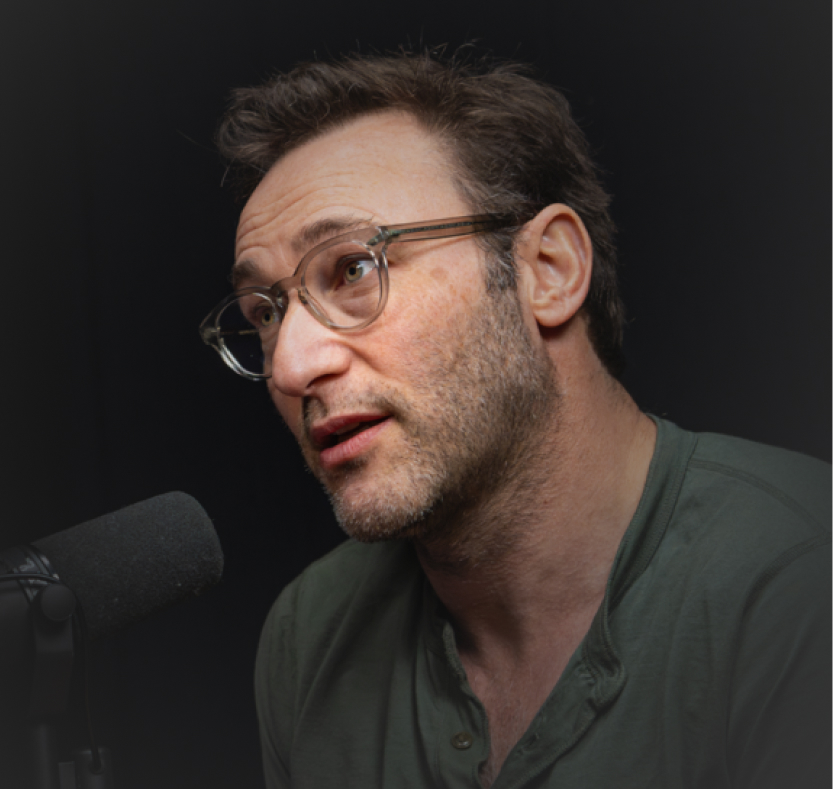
(416, 418)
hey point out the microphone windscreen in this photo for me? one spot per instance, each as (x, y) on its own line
(131, 563)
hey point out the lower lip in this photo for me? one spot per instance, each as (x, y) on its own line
(352, 448)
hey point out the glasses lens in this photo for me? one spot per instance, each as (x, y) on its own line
(248, 328)
(345, 283)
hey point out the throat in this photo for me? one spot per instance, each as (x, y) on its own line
(511, 704)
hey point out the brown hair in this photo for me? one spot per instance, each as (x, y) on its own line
(515, 144)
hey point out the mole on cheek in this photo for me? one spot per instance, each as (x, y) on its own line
(448, 288)
(439, 274)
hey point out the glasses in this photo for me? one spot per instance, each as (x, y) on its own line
(342, 282)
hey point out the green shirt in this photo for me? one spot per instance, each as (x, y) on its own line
(707, 664)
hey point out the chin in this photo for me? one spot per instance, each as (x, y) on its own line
(369, 515)
(377, 499)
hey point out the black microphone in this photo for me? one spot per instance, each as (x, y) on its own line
(107, 573)
(131, 563)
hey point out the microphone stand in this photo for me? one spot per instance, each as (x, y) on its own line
(43, 615)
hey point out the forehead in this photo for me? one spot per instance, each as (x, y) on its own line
(382, 168)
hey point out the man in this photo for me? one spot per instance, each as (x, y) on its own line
(545, 586)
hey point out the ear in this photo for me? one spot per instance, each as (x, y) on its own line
(556, 261)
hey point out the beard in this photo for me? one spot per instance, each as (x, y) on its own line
(482, 400)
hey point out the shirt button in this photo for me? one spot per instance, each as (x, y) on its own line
(462, 740)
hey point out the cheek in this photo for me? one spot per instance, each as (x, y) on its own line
(430, 302)
(414, 331)
(424, 337)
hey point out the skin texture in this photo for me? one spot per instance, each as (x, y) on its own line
(441, 340)
(500, 446)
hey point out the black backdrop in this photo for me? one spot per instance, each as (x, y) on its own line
(711, 120)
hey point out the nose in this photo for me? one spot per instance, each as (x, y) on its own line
(305, 352)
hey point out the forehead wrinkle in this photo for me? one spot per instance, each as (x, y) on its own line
(264, 210)
(307, 237)
(335, 183)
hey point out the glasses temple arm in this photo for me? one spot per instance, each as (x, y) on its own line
(426, 232)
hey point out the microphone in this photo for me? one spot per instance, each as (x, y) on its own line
(129, 564)
(121, 568)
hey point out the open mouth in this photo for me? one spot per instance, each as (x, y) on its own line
(347, 432)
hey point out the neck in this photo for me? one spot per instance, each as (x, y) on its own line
(535, 556)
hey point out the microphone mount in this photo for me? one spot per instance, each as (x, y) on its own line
(43, 615)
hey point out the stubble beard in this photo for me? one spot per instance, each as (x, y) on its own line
(477, 416)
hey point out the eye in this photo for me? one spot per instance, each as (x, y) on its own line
(266, 317)
(261, 315)
(355, 268)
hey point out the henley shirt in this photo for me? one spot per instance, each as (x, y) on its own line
(707, 664)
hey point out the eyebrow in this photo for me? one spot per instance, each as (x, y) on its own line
(321, 229)
(243, 270)
(310, 235)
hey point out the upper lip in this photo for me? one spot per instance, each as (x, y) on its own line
(322, 433)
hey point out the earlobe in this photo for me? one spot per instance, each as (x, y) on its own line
(558, 257)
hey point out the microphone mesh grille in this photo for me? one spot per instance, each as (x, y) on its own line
(138, 560)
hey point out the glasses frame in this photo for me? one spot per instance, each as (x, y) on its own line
(278, 292)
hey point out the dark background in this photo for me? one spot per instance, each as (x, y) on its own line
(711, 120)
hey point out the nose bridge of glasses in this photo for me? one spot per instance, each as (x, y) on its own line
(280, 291)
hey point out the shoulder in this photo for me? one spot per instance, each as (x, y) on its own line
(331, 614)
(769, 511)
(343, 584)
(749, 501)
(344, 610)
(796, 487)
(351, 569)
(729, 619)
(750, 530)
(745, 515)
(349, 599)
